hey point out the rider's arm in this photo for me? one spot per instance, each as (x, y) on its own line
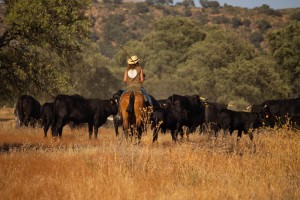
(142, 76)
(125, 77)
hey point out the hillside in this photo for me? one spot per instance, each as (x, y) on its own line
(118, 23)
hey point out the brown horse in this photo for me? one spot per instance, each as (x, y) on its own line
(131, 105)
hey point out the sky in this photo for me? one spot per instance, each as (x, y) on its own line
(275, 4)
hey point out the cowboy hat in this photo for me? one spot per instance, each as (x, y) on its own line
(133, 60)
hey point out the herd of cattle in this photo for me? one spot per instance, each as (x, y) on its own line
(171, 114)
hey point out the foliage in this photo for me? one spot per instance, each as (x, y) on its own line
(256, 38)
(221, 20)
(40, 37)
(217, 51)
(159, 2)
(188, 3)
(295, 16)
(116, 31)
(167, 44)
(91, 77)
(265, 9)
(263, 25)
(202, 17)
(246, 22)
(236, 22)
(285, 47)
(141, 8)
(209, 4)
(251, 80)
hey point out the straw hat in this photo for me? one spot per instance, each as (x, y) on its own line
(133, 60)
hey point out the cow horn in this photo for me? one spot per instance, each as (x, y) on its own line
(202, 98)
(248, 108)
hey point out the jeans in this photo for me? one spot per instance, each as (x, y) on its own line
(147, 95)
(144, 93)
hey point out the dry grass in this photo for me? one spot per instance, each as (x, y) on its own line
(34, 167)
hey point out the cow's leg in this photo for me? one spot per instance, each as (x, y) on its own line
(174, 138)
(250, 134)
(180, 131)
(46, 128)
(57, 128)
(116, 126)
(155, 134)
(26, 120)
(239, 134)
(90, 125)
(188, 134)
(60, 131)
(96, 131)
(216, 130)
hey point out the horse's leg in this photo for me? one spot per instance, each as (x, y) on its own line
(126, 126)
(139, 128)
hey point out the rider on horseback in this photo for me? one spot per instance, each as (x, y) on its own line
(134, 78)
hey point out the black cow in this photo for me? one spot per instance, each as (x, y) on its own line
(167, 118)
(27, 111)
(279, 111)
(241, 121)
(192, 107)
(78, 109)
(163, 103)
(47, 114)
(212, 111)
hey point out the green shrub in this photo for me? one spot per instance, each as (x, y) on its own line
(256, 38)
(220, 20)
(295, 16)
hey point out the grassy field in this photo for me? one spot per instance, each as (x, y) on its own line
(34, 167)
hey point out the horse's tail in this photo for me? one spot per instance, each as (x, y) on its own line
(130, 107)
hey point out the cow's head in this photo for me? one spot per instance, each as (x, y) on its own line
(114, 106)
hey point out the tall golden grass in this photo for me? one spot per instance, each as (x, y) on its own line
(34, 167)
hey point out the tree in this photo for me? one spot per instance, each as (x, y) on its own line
(167, 45)
(205, 58)
(188, 3)
(251, 80)
(91, 76)
(284, 45)
(209, 4)
(39, 40)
